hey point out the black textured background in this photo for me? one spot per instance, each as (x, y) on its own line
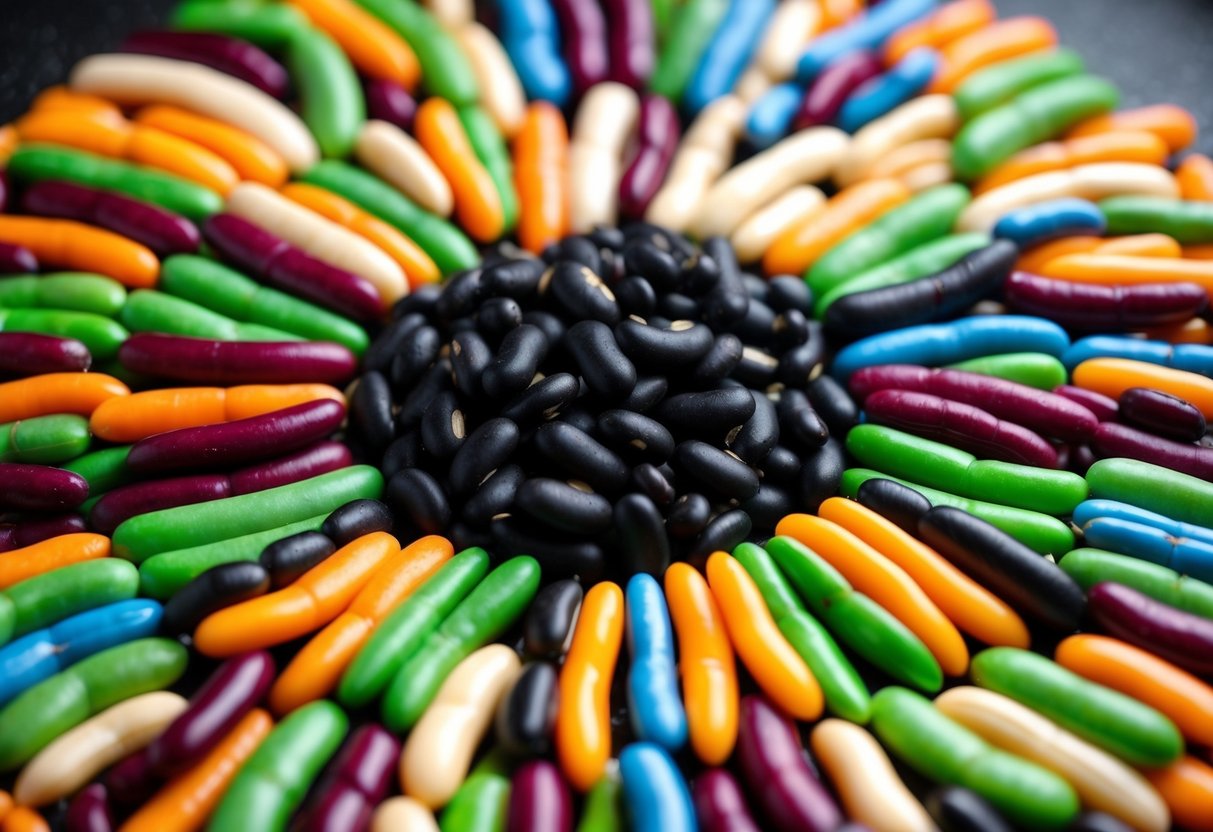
(1154, 50)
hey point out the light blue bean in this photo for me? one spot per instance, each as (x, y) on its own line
(653, 699)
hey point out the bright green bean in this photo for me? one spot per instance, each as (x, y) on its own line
(100, 334)
(147, 310)
(332, 104)
(445, 70)
(1154, 488)
(691, 29)
(1035, 369)
(998, 84)
(75, 291)
(603, 811)
(45, 440)
(269, 25)
(1188, 221)
(52, 596)
(492, 152)
(104, 470)
(1092, 566)
(8, 619)
(482, 803)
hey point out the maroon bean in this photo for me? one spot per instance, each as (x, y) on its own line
(89, 811)
(15, 259)
(1050, 415)
(204, 361)
(162, 231)
(584, 30)
(138, 498)
(1088, 306)
(657, 140)
(31, 530)
(31, 354)
(778, 776)
(1112, 439)
(40, 487)
(230, 56)
(290, 269)
(959, 425)
(390, 102)
(720, 805)
(631, 35)
(539, 799)
(1162, 413)
(6, 190)
(312, 461)
(354, 784)
(1104, 407)
(1077, 458)
(834, 85)
(1179, 637)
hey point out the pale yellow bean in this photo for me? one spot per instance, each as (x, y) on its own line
(865, 780)
(75, 758)
(755, 235)
(752, 85)
(927, 175)
(1102, 782)
(135, 80)
(925, 117)
(792, 25)
(396, 158)
(501, 92)
(452, 13)
(910, 156)
(403, 814)
(439, 750)
(601, 129)
(319, 236)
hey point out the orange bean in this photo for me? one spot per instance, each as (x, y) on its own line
(541, 161)
(373, 48)
(143, 414)
(61, 98)
(79, 393)
(1195, 331)
(249, 156)
(24, 819)
(1117, 146)
(1141, 245)
(902, 161)
(1187, 788)
(6, 803)
(1202, 251)
(951, 21)
(1195, 177)
(317, 668)
(412, 259)
(185, 803)
(18, 564)
(79, 247)
(1123, 269)
(477, 202)
(319, 596)
(1169, 122)
(992, 44)
(8, 141)
(1113, 376)
(1034, 258)
(835, 13)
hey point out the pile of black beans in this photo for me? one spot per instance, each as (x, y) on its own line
(626, 400)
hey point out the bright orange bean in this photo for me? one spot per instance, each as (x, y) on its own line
(705, 663)
(8, 141)
(79, 247)
(583, 713)
(18, 564)
(249, 156)
(1195, 331)
(317, 668)
(989, 45)
(417, 265)
(6, 803)
(834, 13)
(1113, 376)
(797, 249)
(374, 49)
(319, 596)
(1187, 788)
(477, 202)
(24, 819)
(61, 98)
(79, 393)
(185, 803)
(1195, 177)
(1034, 258)
(541, 162)
(1171, 123)
(156, 411)
(1141, 245)
(1118, 146)
(1202, 251)
(771, 660)
(1123, 269)
(951, 21)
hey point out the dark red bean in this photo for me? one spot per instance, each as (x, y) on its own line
(356, 781)
(31, 354)
(1104, 407)
(15, 259)
(720, 805)
(1172, 634)
(6, 190)
(1112, 439)
(657, 139)
(40, 488)
(1089, 306)
(632, 43)
(218, 587)
(204, 361)
(162, 231)
(390, 102)
(230, 56)
(583, 29)
(89, 811)
(30, 530)
(539, 799)
(142, 497)
(312, 461)
(960, 425)
(834, 85)
(1162, 413)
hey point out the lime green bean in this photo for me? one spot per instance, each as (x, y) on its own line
(1188, 221)
(75, 291)
(482, 803)
(1154, 488)
(100, 334)
(1092, 566)
(445, 70)
(8, 619)
(1035, 369)
(52, 596)
(603, 811)
(492, 152)
(332, 104)
(45, 440)
(104, 470)
(691, 29)
(998, 84)
(269, 25)
(147, 310)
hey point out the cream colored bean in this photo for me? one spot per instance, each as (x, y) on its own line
(75, 758)
(318, 236)
(403, 814)
(439, 751)
(145, 79)
(925, 117)
(865, 780)
(396, 158)
(752, 85)
(927, 176)
(808, 156)
(601, 130)
(1094, 182)
(792, 25)
(909, 156)
(1103, 782)
(452, 13)
(796, 207)
(501, 92)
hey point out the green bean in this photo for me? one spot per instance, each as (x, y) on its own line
(38, 162)
(184, 527)
(58, 704)
(947, 752)
(1092, 566)
(332, 104)
(492, 152)
(998, 84)
(482, 803)
(1117, 723)
(691, 29)
(269, 25)
(480, 617)
(857, 620)
(603, 812)
(445, 70)
(845, 693)
(663, 13)
(147, 310)
(400, 635)
(101, 335)
(1154, 488)
(1035, 369)
(45, 440)
(8, 619)
(52, 596)
(74, 291)
(104, 470)
(1188, 221)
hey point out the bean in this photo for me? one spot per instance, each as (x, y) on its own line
(958, 809)
(691, 30)
(1091, 566)
(727, 53)
(867, 31)
(1084, 306)
(1113, 440)
(585, 43)
(831, 89)
(270, 27)
(17, 259)
(720, 804)
(219, 362)
(332, 104)
(482, 802)
(44, 440)
(216, 588)
(1161, 413)
(390, 102)
(443, 64)
(1187, 221)
(226, 54)
(1153, 488)
(998, 84)
(89, 810)
(72, 291)
(101, 336)
(31, 354)
(658, 130)
(1178, 636)
(356, 782)
(1187, 357)
(526, 715)
(1044, 221)
(52, 596)
(656, 709)
(878, 96)
(654, 790)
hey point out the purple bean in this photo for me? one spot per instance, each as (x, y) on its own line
(15, 259)
(6, 190)
(40, 488)
(1104, 407)
(204, 361)
(230, 56)
(657, 140)
(539, 799)
(959, 425)
(1077, 458)
(1179, 637)
(1088, 306)
(286, 267)
(720, 805)
(778, 776)
(138, 498)
(312, 461)
(163, 232)
(355, 783)
(584, 30)
(834, 85)
(632, 40)
(89, 811)
(226, 444)
(390, 102)
(1162, 413)
(1112, 439)
(31, 354)
(31, 530)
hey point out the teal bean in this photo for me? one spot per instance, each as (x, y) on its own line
(1154, 488)
(445, 71)
(56, 705)
(39, 162)
(220, 289)
(945, 751)
(1188, 221)
(100, 334)
(482, 803)
(492, 152)
(1092, 566)
(1035, 369)
(147, 310)
(44, 440)
(400, 635)
(332, 104)
(450, 249)
(269, 25)
(480, 617)
(75, 291)
(186, 526)
(104, 470)
(691, 29)
(273, 782)
(52, 596)
(1117, 723)
(1000, 83)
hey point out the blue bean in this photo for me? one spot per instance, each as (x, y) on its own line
(1066, 217)
(1144, 542)
(1089, 510)
(771, 116)
(1195, 358)
(653, 699)
(867, 31)
(883, 93)
(654, 790)
(728, 52)
(530, 34)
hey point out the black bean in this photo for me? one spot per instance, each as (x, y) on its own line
(757, 326)
(287, 559)
(216, 588)
(798, 421)
(497, 316)
(894, 502)
(460, 296)
(833, 403)
(634, 436)
(550, 618)
(722, 472)
(755, 286)
(580, 293)
(647, 260)
(464, 536)
(494, 496)
(760, 433)
(728, 301)
(527, 713)
(723, 533)
(559, 556)
(719, 362)
(415, 357)
(653, 483)
(791, 330)
(578, 249)
(781, 465)
(660, 350)
(689, 515)
(423, 300)
(517, 360)
(700, 274)
(371, 411)
(646, 394)
(821, 474)
(605, 368)
(710, 413)
(543, 400)
(551, 325)
(611, 238)
(355, 519)
(757, 367)
(404, 452)
(419, 498)
(470, 356)
(442, 426)
(1097, 822)
(957, 809)
(676, 306)
(801, 364)
(770, 505)
(432, 382)
(581, 418)
(557, 504)
(485, 449)
(517, 279)
(391, 340)
(581, 456)
(641, 534)
(786, 292)
(636, 296)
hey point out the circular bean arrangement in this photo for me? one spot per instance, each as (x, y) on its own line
(600, 414)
